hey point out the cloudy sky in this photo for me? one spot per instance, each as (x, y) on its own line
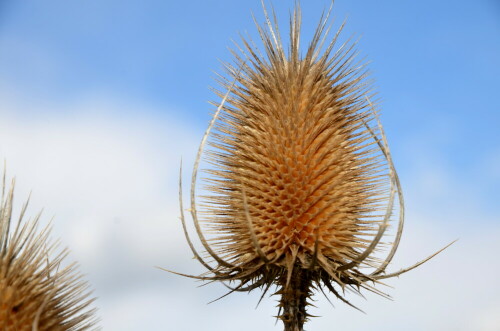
(99, 100)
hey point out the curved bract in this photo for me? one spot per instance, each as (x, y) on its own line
(302, 187)
(38, 291)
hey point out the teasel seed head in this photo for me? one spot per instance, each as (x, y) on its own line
(302, 187)
(38, 290)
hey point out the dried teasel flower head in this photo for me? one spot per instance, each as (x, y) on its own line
(302, 187)
(36, 291)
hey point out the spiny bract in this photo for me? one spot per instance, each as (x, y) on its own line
(302, 185)
(36, 292)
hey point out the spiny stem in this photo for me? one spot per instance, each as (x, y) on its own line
(294, 297)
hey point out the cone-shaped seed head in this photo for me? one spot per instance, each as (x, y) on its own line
(302, 186)
(297, 172)
(37, 290)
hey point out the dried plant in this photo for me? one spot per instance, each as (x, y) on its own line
(36, 292)
(302, 185)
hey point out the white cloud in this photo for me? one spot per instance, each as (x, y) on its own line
(109, 176)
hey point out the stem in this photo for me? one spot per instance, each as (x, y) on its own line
(294, 299)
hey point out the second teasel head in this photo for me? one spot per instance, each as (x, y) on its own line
(39, 290)
(301, 187)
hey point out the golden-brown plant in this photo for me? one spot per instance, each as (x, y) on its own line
(302, 185)
(36, 292)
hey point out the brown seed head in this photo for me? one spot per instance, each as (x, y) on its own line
(36, 291)
(301, 187)
(292, 151)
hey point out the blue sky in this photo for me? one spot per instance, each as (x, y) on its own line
(100, 99)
